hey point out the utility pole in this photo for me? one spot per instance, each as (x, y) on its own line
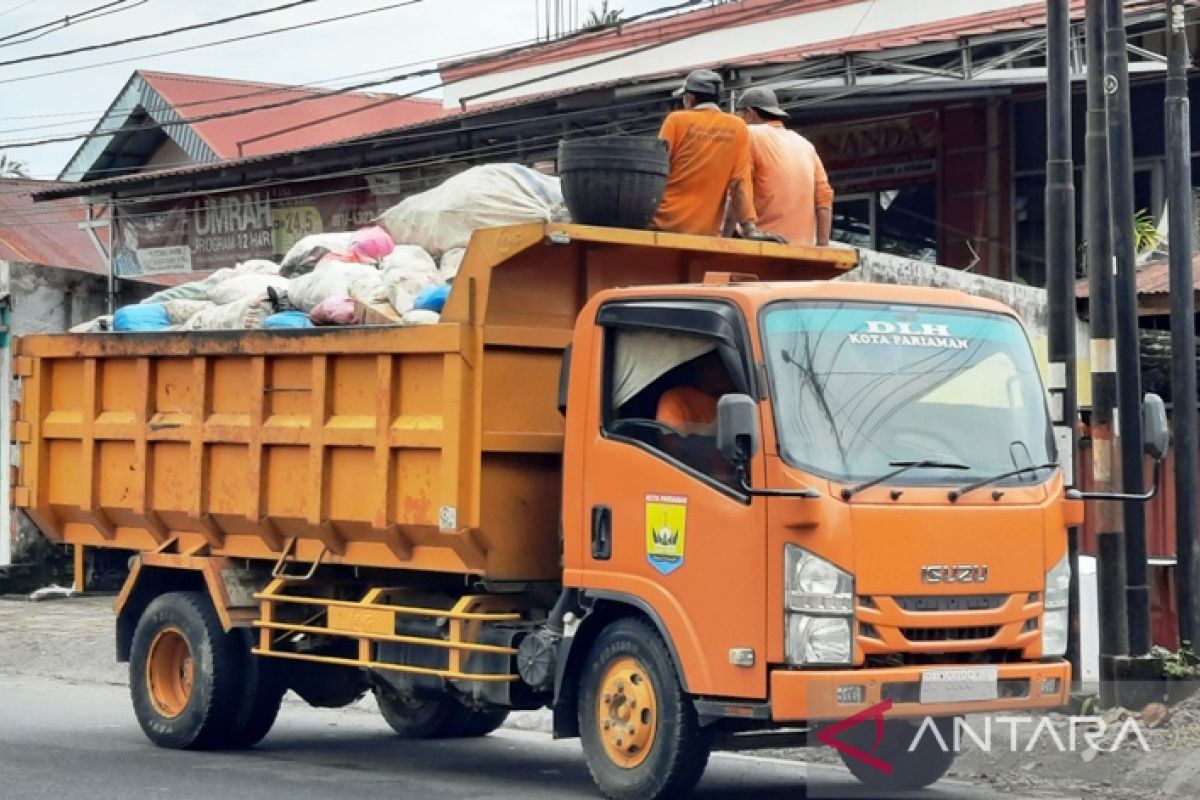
(1129, 381)
(1060, 268)
(1183, 317)
(1110, 567)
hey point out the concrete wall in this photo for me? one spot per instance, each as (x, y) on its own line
(42, 300)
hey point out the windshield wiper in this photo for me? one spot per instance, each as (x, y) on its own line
(901, 468)
(1012, 473)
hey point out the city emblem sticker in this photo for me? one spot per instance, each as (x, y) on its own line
(666, 531)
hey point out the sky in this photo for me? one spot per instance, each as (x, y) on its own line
(34, 105)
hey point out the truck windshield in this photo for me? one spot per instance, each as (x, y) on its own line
(859, 386)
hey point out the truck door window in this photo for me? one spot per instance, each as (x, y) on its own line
(663, 388)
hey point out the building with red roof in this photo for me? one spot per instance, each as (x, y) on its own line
(162, 120)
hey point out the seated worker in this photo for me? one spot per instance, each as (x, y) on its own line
(691, 407)
(792, 194)
(710, 160)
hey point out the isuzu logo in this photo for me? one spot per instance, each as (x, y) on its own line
(954, 573)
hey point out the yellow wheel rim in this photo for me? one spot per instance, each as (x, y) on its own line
(626, 713)
(169, 672)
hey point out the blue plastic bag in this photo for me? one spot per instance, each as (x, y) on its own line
(432, 298)
(288, 319)
(141, 317)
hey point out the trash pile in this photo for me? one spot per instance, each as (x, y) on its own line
(398, 270)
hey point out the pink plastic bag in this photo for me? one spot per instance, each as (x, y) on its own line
(371, 244)
(335, 311)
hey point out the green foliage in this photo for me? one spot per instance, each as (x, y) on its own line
(602, 17)
(1179, 664)
(1145, 230)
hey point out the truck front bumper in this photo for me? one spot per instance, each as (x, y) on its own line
(812, 695)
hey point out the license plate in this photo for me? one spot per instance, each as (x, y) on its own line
(959, 685)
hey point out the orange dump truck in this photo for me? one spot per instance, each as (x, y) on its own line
(859, 510)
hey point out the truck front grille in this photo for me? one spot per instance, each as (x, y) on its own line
(950, 634)
(951, 602)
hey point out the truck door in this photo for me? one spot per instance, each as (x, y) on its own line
(670, 525)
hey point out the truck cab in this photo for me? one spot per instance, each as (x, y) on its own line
(870, 518)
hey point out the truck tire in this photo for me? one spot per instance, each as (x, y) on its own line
(481, 722)
(923, 766)
(187, 676)
(641, 737)
(262, 695)
(435, 717)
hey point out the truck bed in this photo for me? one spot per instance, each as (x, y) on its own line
(434, 448)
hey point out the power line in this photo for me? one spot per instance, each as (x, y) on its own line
(156, 35)
(339, 18)
(310, 84)
(17, 7)
(76, 20)
(65, 21)
(356, 87)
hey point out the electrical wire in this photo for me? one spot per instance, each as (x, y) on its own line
(156, 35)
(17, 7)
(202, 46)
(356, 87)
(74, 21)
(63, 21)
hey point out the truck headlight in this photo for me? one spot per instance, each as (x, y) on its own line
(1054, 617)
(820, 603)
(814, 586)
(818, 640)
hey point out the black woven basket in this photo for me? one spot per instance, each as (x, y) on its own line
(616, 181)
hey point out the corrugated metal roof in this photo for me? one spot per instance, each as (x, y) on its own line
(332, 117)
(46, 234)
(1152, 279)
(64, 189)
(170, 99)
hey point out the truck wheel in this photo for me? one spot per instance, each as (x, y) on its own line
(435, 717)
(186, 674)
(923, 766)
(640, 733)
(482, 722)
(261, 698)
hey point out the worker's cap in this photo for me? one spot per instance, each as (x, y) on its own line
(701, 81)
(762, 100)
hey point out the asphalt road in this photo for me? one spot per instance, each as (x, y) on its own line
(62, 740)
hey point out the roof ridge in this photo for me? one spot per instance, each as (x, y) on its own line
(149, 75)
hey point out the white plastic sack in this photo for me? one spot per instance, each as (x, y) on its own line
(444, 217)
(246, 313)
(239, 287)
(181, 310)
(421, 316)
(331, 279)
(257, 266)
(450, 263)
(409, 265)
(97, 325)
(333, 242)
(194, 290)
(369, 288)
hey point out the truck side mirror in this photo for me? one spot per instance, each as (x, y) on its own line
(738, 435)
(1156, 436)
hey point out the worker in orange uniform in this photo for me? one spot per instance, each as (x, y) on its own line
(691, 407)
(791, 190)
(710, 159)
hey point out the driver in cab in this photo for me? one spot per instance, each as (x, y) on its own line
(691, 407)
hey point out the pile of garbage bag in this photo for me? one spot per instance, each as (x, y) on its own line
(397, 271)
